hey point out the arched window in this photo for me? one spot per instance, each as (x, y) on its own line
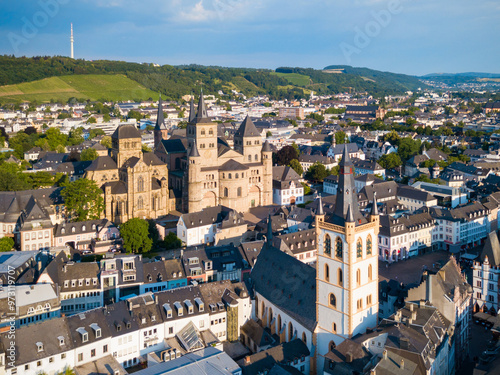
(370, 272)
(358, 276)
(140, 184)
(279, 323)
(332, 301)
(140, 203)
(304, 338)
(237, 175)
(359, 248)
(239, 191)
(230, 176)
(226, 192)
(290, 331)
(338, 247)
(340, 277)
(203, 132)
(327, 272)
(369, 245)
(256, 157)
(328, 245)
(249, 157)
(334, 327)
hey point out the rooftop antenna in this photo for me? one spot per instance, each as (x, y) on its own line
(71, 39)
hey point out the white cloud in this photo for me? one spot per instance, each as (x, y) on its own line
(198, 13)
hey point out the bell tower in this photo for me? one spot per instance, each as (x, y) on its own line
(347, 267)
(202, 131)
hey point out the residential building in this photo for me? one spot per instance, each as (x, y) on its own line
(287, 188)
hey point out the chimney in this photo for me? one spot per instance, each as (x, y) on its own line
(414, 315)
(404, 343)
(348, 357)
(402, 364)
(385, 354)
(422, 303)
(247, 359)
(412, 307)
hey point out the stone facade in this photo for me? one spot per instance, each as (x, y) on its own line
(216, 174)
(135, 184)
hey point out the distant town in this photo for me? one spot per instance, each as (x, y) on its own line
(226, 234)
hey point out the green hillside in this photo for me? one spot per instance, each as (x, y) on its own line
(113, 87)
(295, 78)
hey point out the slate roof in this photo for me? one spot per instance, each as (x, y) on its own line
(272, 276)
(233, 165)
(126, 131)
(247, 129)
(102, 163)
(212, 215)
(491, 249)
(283, 176)
(257, 333)
(175, 145)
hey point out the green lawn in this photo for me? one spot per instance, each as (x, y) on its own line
(295, 78)
(86, 86)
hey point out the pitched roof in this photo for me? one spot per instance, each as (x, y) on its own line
(296, 299)
(160, 121)
(126, 131)
(102, 163)
(247, 129)
(491, 249)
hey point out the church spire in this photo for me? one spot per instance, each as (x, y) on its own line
(374, 211)
(194, 151)
(349, 218)
(202, 114)
(320, 207)
(160, 120)
(346, 192)
(192, 113)
(269, 236)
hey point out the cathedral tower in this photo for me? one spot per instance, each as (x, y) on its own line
(347, 267)
(247, 141)
(194, 182)
(160, 131)
(267, 162)
(204, 132)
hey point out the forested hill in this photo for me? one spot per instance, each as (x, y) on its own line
(176, 81)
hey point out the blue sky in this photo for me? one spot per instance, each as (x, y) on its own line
(412, 37)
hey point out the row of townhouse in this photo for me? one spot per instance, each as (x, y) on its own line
(171, 323)
(434, 228)
(88, 285)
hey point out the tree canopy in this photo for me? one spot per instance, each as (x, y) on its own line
(6, 244)
(83, 200)
(135, 234)
(286, 155)
(88, 154)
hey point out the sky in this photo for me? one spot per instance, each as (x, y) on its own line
(412, 37)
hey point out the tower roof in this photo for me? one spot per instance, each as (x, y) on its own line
(320, 210)
(491, 249)
(194, 151)
(346, 202)
(247, 129)
(160, 121)
(374, 211)
(126, 131)
(202, 114)
(269, 237)
(192, 113)
(266, 147)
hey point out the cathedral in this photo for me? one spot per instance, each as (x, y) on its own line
(134, 183)
(205, 171)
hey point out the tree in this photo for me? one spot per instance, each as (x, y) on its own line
(6, 244)
(317, 172)
(390, 161)
(269, 134)
(153, 232)
(91, 120)
(341, 138)
(392, 137)
(146, 148)
(88, 154)
(55, 138)
(95, 132)
(39, 180)
(296, 166)
(30, 130)
(171, 241)
(285, 155)
(83, 200)
(307, 188)
(106, 141)
(135, 234)
(106, 117)
(11, 178)
(76, 136)
(408, 147)
(448, 111)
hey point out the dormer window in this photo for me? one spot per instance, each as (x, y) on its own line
(189, 306)
(61, 340)
(180, 310)
(63, 231)
(168, 310)
(97, 330)
(200, 304)
(118, 326)
(39, 346)
(84, 228)
(84, 334)
(220, 305)
(73, 229)
(128, 324)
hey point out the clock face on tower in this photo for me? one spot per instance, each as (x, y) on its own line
(345, 170)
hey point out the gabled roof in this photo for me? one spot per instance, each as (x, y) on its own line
(270, 274)
(160, 121)
(232, 165)
(247, 129)
(491, 249)
(102, 163)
